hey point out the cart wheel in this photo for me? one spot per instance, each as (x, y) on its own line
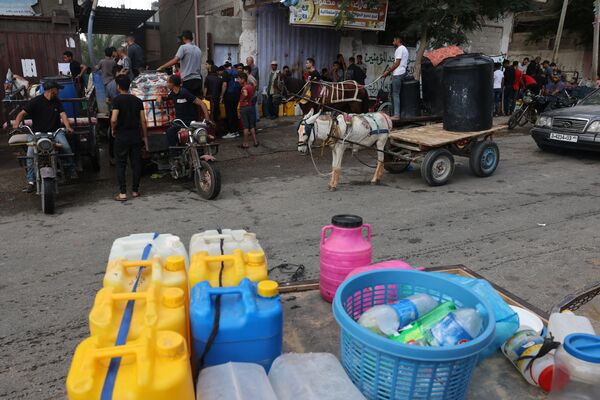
(392, 164)
(386, 108)
(95, 159)
(484, 158)
(437, 167)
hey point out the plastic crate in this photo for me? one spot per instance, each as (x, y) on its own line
(384, 369)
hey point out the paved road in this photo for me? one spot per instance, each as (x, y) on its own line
(532, 228)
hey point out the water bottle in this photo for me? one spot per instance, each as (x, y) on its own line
(386, 319)
(415, 332)
(458, 327)
(565, 323)
(522, 350)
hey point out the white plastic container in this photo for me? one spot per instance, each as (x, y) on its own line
(311, 376)
(210, 241)
(520, 348)
(234, 381)
(132, 247)
(577, 370)
(565, 323)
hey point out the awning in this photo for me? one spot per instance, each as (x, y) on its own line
(117, 21)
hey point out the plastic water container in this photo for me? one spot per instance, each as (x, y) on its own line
(236, 266)
(311, 376)
(250, 323)
(458, 327)
(563, 324)
(163, 245)
(234, 381)
(68, 91)
(577, 371)
(210, 242)
(121, 274)
(520, 348)
(343, 248)
(154, 367)
(161, 309)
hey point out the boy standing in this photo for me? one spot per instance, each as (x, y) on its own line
(247, 112)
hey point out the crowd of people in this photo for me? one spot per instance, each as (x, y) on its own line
(512, 79)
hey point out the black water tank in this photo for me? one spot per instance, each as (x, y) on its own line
(410, 99)
(468, 93)
(433, 90)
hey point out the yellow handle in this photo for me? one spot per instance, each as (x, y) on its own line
(138, 263)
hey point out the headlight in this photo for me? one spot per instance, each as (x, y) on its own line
(527, 99)
(594, 127)
(544, 122)
(200, 136)
(44, 145)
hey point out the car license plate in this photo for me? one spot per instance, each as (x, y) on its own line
(564, 138)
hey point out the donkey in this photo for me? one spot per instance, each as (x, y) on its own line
(343, 131)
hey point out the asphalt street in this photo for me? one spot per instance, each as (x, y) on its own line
(532, 228)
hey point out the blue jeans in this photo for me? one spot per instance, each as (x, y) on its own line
(497, 101)
(65, 149)
(396, 88)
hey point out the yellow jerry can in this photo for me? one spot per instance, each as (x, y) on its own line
(158, 308)
(122, 274)
(154, 367)
(236, 266)
(290, 108)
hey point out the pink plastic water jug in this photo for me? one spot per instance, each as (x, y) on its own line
(344, 249)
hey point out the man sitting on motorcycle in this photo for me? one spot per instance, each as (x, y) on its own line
(554, 90)
(187, 107)
(46, 113)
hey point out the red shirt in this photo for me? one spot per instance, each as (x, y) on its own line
(529, 80)
(246, 100)
(518, 76)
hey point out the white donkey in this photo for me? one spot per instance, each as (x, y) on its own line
(356, 130)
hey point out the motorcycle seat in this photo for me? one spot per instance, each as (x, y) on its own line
(18, 139)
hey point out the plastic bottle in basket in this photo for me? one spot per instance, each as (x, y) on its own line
(458, 327)
(416, 332)
(522, 350)
(343, 250)
(386, 319)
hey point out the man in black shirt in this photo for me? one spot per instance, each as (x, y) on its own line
(77, 69)
(135, 54)
(212, 90)
(355, 73)
(187, 107)
(128, 123)
(509, 92)
(46, 113)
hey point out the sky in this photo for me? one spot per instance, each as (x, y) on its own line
(144, 4)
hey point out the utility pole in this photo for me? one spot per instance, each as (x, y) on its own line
(596, 40)
(559, 31)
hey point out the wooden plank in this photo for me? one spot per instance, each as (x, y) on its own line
(435, 136)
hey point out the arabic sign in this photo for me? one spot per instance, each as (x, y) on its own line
(323, 13)
(17, 7)
(377, 58)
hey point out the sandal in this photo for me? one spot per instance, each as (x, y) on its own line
(119, 198)
(135, 194)
(256, 144)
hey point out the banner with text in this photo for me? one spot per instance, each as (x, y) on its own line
(323, 13)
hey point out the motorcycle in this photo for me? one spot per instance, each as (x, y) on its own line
(194, 158)
(532, 105)
(47, 162)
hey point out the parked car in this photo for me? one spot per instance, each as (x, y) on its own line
(575, 127)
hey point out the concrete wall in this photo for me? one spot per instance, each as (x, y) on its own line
(174, 18)
(492, 39)
(214, 7)
(152, 48)
(47, 7)
(53, 17)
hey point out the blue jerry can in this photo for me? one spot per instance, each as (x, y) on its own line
(250, 326)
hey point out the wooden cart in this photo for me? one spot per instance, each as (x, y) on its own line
(435, 148)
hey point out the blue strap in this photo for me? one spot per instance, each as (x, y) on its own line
(115, 363)
(378, 130)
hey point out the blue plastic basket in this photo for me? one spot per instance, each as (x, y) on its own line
(384, 369)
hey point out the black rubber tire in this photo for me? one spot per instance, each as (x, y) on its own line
(48, 195)
(95, 159)
(386, 108)
(514, 119)
(433, 161)
(484, 158)
(211, 191)
(398, 166)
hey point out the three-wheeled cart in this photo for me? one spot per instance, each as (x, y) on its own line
(435, 148)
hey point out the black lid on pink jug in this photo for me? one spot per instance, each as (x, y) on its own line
(347, 221)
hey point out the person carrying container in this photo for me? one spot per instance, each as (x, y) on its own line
(47, 114)
(188, 56)
(187, 107)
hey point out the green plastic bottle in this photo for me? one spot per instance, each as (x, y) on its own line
(415, 333)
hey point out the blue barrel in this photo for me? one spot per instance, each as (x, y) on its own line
(69, 91)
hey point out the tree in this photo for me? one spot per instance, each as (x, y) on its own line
(437, 23)
(99, 43)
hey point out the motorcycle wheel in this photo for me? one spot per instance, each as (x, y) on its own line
(525, 117)
(207, 180)
(48, 195)
(514, 119)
